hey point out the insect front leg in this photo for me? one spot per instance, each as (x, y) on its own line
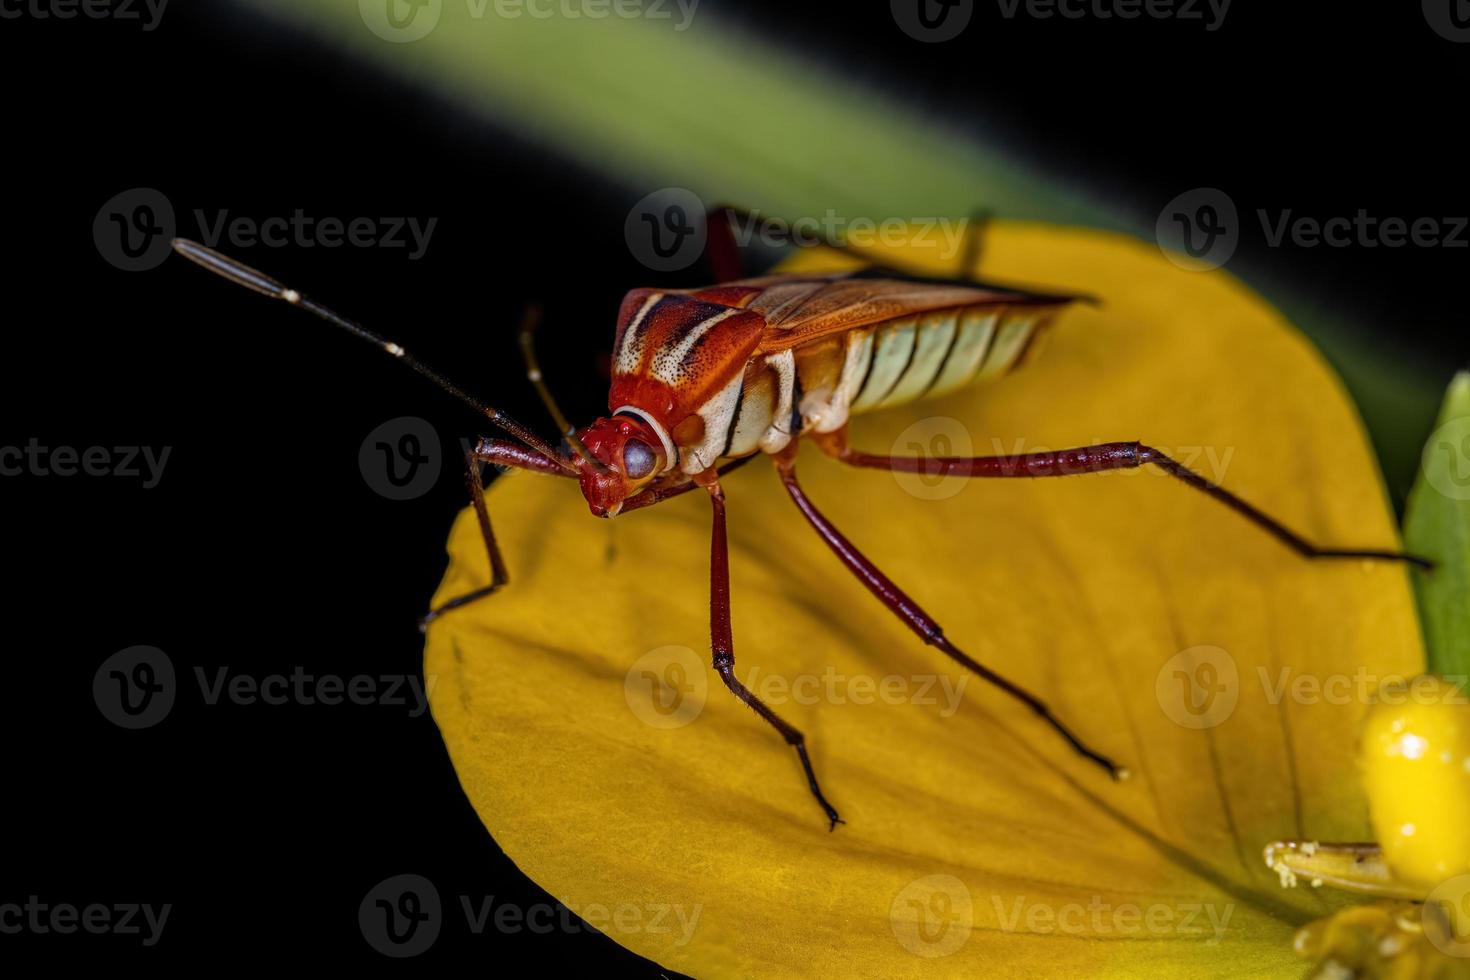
(1097, 459)
(502, 453)
(915, 618)
(722, 642)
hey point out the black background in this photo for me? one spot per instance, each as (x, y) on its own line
(263, 549)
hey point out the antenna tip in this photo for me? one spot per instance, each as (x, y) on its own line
(235, 271)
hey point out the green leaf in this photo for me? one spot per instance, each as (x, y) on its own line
(1437, 526)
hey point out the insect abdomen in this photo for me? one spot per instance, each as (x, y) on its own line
(818, 386)
(917, 357)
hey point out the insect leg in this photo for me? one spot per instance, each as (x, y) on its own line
(723, 252)
(916, 619)
(975, 227)
(1097, 459)
(530, 322)
(722, 644)
(502, 453)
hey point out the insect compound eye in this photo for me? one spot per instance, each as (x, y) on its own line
(638, 459)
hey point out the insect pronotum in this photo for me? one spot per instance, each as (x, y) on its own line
(705, 379)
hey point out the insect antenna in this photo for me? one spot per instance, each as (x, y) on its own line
(257, 281)
(530, 322)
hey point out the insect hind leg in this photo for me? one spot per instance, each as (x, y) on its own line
(915, 618)
(1097, 459)
(502, 453)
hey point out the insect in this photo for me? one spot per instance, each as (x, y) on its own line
(706, 379)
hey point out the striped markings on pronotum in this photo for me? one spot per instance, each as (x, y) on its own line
(704, 379)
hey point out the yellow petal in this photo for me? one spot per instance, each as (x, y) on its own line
(975, 842)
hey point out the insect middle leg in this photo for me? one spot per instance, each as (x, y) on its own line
(722, 643)
(1097, 459)
(914, 616)
(502, 453)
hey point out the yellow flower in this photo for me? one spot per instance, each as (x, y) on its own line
(1227, 673)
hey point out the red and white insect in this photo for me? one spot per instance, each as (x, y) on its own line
(705, 379)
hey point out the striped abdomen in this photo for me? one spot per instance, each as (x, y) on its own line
(817, 386)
